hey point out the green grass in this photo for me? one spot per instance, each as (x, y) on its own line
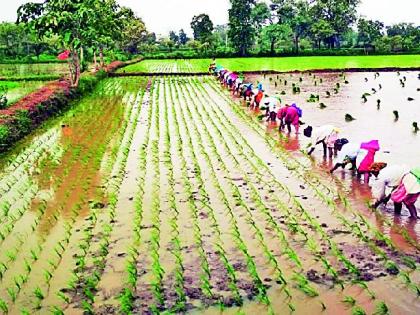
(48, 70)
(277, 63)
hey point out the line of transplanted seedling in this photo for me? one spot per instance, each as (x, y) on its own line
(93, 252)
(235, 233)
(218, 247)
(294, 226)
(21, 279)
(128, 294)
(303, 283)
(33, 254)
(190, 185)
(357, 223)
(91, 219)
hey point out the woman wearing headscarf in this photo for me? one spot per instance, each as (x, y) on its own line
(325, 135)
(407, 193)
(388, 178)
(366, 157)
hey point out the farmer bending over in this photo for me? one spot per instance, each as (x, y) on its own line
(407, 192)
(326, 134)
(271, 102)
(366, 157)
(387, 178)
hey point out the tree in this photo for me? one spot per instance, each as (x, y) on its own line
(321, 31)
(133, 31)
(75, 23)
(300, 21)
(273, 32)
(183, 38)
(340, 14)
(202, 27)
(241, 31)
(174, 37)
(260, 15)
(369, 31)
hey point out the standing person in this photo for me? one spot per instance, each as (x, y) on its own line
(407, 192)
(322, 135)
(366, 157)
(387, 178)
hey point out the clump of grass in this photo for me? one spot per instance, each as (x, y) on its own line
(349, 118)
(313, 98)
(381, 309)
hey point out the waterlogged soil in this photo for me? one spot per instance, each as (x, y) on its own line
(168, 195)
(396, 91)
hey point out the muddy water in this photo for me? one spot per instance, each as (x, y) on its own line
(399, 144)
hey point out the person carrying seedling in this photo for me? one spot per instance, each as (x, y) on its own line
(257, 99)
(366, 157)
(325, 135)
(387, 178)
(248, 91)
(271, 103)
(407, 192)
(238, 84)
(293, 114)
(347, 154)
(281, 113)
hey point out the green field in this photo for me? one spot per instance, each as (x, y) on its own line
(16, 90)
(277, 63)
(30, 71)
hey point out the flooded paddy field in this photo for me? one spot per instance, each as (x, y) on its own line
(167, 194)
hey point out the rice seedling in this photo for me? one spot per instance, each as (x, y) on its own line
(349, 118)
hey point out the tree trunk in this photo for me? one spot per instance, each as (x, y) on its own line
(101, 57)
(74, 66)
(296, 41)
(82, 55)
(95, 62)
(273, 42)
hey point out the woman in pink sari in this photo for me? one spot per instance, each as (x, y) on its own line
(407, 192)
(366, 158)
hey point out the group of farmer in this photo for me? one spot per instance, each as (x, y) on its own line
(288, 115)
(398, 183)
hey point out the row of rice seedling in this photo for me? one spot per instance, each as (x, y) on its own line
(357, 224)
(226, 200)
(295, 224)
(196, 202)
(295, 221)
(44, 256)
(94, 245)
(75, 200)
